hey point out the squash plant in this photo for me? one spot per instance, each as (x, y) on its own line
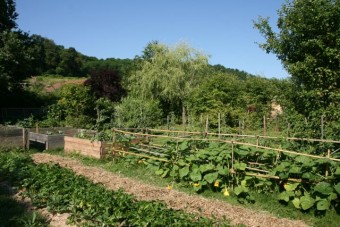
(204, 165)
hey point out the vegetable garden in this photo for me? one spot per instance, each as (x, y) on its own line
(89, 204)
(240, 164)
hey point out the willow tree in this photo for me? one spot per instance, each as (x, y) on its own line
(169, 74)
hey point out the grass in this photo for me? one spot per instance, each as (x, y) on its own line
(264, 202)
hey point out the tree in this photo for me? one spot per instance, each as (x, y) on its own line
(169, 74)
(7, 15)
(16, 57)
(308, 45)
(106, 83)
(75, 106)
(70, 63)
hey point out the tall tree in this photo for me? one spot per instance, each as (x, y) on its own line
(7, 15)
(106, 83)
(170, 74)
(308, 45)
(70, 63)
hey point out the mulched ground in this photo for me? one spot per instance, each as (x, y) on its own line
(174, 199)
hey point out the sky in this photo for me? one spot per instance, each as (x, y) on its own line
(222, 29)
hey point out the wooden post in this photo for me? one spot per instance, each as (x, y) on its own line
(257, 141)
(25, 140)
(264, 126)
(322, 126)
(328, 156)
(147, 136)
(168, 121)
(219, 125)
(113, 136)
(232, 163)
(239, 127)
(36, 127)
(207, 126)
(232, 155)
(183, 118)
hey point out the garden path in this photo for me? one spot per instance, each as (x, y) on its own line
(174, 199)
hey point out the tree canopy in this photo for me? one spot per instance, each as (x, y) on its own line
(169, 74)
(308, 44)
(7, 15)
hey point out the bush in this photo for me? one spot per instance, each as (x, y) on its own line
(138, 113)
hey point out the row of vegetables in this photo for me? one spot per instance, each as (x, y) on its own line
(306, 182)
(88, 204)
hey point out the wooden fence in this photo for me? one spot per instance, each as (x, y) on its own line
(148, 134)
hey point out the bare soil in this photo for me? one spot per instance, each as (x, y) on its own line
(174, 199)
(58, 85)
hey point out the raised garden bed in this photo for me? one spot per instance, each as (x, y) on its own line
(50, 141)
(51, 138)
(96, 149)
(11, 136)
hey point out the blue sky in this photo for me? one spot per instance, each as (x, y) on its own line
(222, 29)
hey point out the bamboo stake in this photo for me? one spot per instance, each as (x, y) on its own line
(235, 142)
(219, 125)
(149, 152)
(140, 155)
(322, 126)
(207, 125)
(327, 167)
(272, 177)
(156, 147)
(232, 155)
(259, 170)
(252, 136)
(174, 131)
(264, 126)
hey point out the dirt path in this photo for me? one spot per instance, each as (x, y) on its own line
(174, 199)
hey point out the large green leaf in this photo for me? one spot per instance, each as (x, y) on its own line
(337, 188)
(295, 169)
(306, 161)
(159, 172)
(306, 202)
(238, 190)
(283, 196)
(195, 176)
(211, 177)
(337, 171)
(181, 162)
(323, 204)
(240, 166)
(206, 167)
(222, 170)
(165, 173)
(324, 188)
(332, 196)
(184, 171)
(291, 186)
(183, 146)
(296, 203)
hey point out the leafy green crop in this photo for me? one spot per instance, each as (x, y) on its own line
(60, 190)
(298, 179)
